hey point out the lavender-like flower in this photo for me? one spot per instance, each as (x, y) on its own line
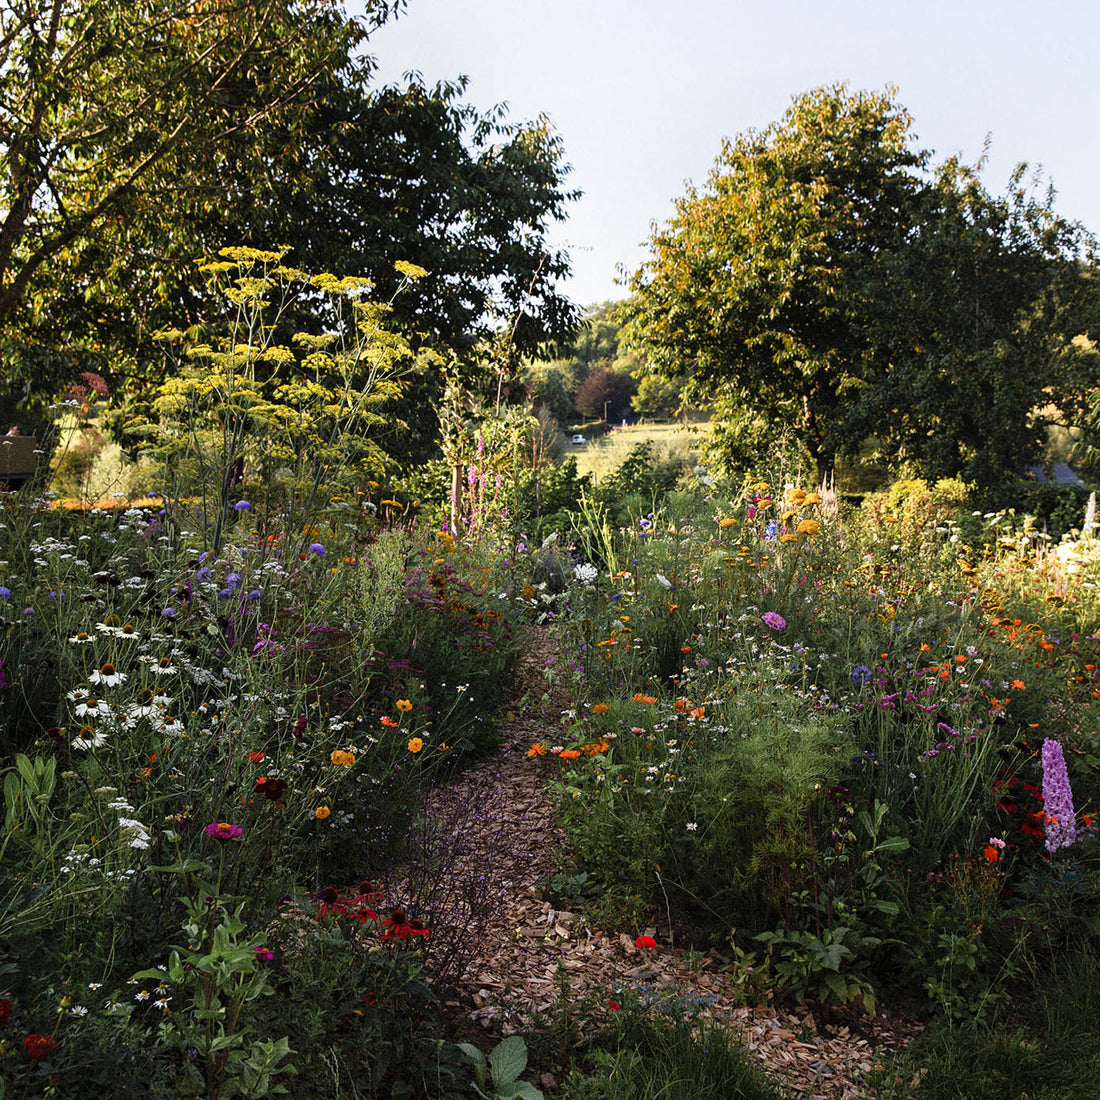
(1061, 821)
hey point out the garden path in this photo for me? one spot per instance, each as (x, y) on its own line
(523, 949)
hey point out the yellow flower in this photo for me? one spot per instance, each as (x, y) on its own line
(321, 813)
(808, 527)
(415, 744)
(346, 759)
(798, 496)
(813, 498)
(410, 271)
(788, 537)
(404, 706)
(727, 522)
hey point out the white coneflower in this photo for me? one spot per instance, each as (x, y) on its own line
(81, 638)
(89, 738)
(108, 675)
(94, 708)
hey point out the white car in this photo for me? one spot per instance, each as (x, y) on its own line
(578, 440)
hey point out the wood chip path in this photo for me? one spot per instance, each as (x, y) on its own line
(507, 975)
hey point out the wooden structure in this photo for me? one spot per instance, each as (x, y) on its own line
(17, 460)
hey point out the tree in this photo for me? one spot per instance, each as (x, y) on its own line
(605, 393)
(145, 134)
(117, 116)
(758, 288)
(829, 281)
(977, 317)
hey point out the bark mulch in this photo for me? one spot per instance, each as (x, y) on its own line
(518, 951)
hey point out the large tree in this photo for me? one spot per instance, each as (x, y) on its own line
(120, 117)
(757, 288)
(828, 281)
(141, 135)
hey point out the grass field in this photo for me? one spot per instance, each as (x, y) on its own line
(671, 442)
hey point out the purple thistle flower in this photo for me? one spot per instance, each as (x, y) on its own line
(1061, 820)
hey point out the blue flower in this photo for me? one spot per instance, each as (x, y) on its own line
(771, 530)
(317, 548)
(861, 674)
(168, 613)
(254, 594)
(5, 593)
(241, 506)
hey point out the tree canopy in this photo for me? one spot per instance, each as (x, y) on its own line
(138, 136)
(828, 280)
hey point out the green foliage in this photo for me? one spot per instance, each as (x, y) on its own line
(244, 407)
(822, 283)
(641, 1058)
(160, 119)
(498, 1076)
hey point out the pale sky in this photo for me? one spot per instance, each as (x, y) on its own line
(642, 93)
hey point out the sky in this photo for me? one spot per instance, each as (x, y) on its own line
(642, 93)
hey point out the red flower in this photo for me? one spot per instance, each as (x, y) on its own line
(39, 1046)
(256, 757)
(645, 942)
(5, 1012)
(614, 1006)
(399, 927)
(991, 854)
(331, 903)
(270, 787)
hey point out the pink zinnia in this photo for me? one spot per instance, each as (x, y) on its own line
(222, 830)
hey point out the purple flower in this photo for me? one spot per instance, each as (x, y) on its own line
(1061, 820)
(254, 594)
(5, 593)
(861, 674)
(168, 613)
(773, 620)
(222, 830)
(241, 506)
(264, 953)
(317, 548)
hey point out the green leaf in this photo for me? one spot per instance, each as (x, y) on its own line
(893, 844)
(507, 1060)
(476, 1058)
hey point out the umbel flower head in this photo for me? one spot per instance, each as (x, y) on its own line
(1061, 825)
